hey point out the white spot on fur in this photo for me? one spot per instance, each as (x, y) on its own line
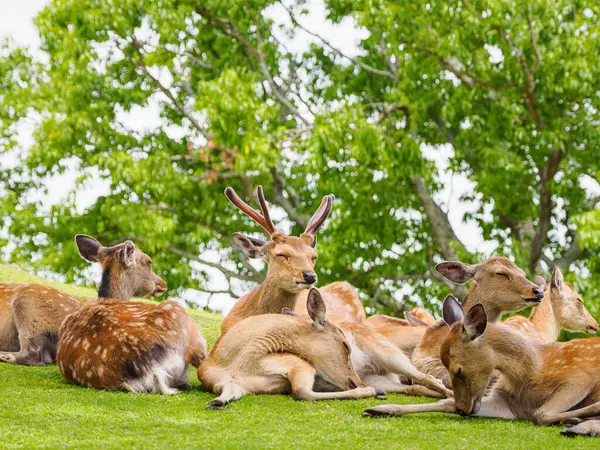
(104, 354)
(167, 306)
(159, 375)
(158, 322)
(98, 348)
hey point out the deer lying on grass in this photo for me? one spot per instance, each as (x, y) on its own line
(562, 308)
(291, 268)
(31, 314)
(115, 344)
(283, 354)
(290, 259)
(498, 284)
(547, 383)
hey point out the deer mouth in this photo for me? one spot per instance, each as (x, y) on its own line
(533, 301)
(302, 285)
(592, 330)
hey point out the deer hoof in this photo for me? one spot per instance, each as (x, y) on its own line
(380, 394)
(216, 405)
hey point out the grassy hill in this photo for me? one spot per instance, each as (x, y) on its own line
(40, 410)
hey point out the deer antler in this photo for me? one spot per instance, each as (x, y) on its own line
(318, 218)
(263, 220)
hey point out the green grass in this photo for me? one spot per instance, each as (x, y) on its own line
(38, 409)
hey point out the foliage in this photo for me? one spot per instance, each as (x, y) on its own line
(511, 87)
(44, 411)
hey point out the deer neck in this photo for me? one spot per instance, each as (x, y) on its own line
(112, 286)
(272, 298)
(546, 318)
(476, 295)
(515, 356)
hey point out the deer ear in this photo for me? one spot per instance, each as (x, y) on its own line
(456, 271)
(452, 310)
(540, 281)
(316, 308)
(88, 247)
(288, 312)
(127, 253)
(475, 323)
(414, 320)
(556, 282)
(250, 246)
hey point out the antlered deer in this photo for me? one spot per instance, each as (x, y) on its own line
(547, 383)
(291, 268)
(31, 314)
(562, 308)
(290, 259)
(115, 344)
(283, 354)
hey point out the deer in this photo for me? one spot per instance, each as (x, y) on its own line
(290, 259)
(31, 314)
(116, 344)
(283, 354)
(563, 308)
(291, 268)
(546, 383)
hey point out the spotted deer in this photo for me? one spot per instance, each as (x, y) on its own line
(562, 308)
(31, 314)
(547, 383)
(291, 268)
(497, 283)
(283, 354)
(135, 346)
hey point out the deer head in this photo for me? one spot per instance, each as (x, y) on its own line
(495, 280)
(291, 259)
(574, 315)
(470, 362)
(126, 270)
(329, 350)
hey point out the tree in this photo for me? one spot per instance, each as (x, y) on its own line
(512, 88)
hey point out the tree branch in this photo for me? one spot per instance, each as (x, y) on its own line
(228, 273)
(547, 174)
(354, 61)
(289, 204)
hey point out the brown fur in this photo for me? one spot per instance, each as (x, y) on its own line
(113, 344)
(495, 291)
(276, 353)
(562, 308)
(424, 315)
(31, 314)
(547, 383)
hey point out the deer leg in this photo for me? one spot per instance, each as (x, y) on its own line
(391, 359)
(556, 408)
(388, 385)
(587, 428)
(301, 378)
(446, 405)
(228, 390)
(31, 353)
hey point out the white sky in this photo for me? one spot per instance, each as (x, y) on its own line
(16, 22)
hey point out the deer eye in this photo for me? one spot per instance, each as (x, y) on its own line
(281, 255)
(347, 347)
(459, 374)
(503, 274)
(313, 259)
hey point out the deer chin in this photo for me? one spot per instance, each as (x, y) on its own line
(303, 286)
(591, 330)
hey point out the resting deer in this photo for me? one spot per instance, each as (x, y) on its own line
(291, 268)
(562, 308)
(283, 354)
(31, 314)
(547, 383)
(115, 344)
(290, 260)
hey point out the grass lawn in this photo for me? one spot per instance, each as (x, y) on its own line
(39, 409)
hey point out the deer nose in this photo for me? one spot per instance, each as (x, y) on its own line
(539, 293)
(309, 277)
